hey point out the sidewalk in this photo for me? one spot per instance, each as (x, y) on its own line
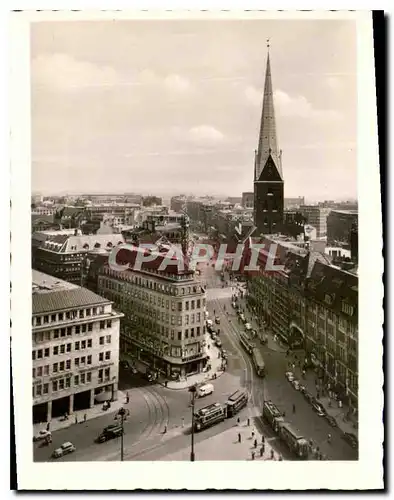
(225, 446)
(346, 425)
(90, 413)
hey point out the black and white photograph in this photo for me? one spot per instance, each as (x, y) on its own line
(191, 251)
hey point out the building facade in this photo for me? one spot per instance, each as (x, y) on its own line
(340, 224)
(75, 348)
(268, 177)
(316, 216)
(164, 324)
(248, 199)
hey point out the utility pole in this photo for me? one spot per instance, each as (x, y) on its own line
(193, 390)
(122, 414)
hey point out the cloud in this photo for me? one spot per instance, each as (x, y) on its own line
(299, 106)
(65, 72)
(177, 83)
(206, 133)
(254, 96)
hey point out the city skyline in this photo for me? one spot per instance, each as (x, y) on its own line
(190, 117)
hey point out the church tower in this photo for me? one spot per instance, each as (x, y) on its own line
(268, 176)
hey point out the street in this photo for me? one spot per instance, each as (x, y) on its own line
(160, 418)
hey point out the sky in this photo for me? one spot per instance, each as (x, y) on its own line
(173, 106)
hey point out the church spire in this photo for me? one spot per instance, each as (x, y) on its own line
(268, 145)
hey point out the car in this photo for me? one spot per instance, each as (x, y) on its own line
(224, 354)
(296, 385)
(290, 376)
(350, 439)
(213, 337)
(308, 396)
(242, 316)
(331, 420)
(64, 449)
(234, 305)
(44, 434)
(209, 323)
(302, 389)
(217, 320)
(210, 329)
(218, 342)
(125, 364)
(110, 432)
(318, 408)
(248, 326)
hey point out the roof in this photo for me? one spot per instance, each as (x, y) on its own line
(51, 294)
(42, 218)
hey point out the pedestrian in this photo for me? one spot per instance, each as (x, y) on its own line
(272, 454)
(294, 408)
(238, 421)
(166, 383)
(293, 365)
(329, 438)
(248, 422)
(239, 437)
(280, 458)
(183, 422)
(76, 419)
(253, 455)
(252, 434)
(340, 403)
(165, 430)
(255, 443)
(262, 440)
(261, 451)
(48, 426)
(85, 417)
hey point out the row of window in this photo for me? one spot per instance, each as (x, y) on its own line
(68, 315)
(69, 331)
(64, 383)
(65, 365)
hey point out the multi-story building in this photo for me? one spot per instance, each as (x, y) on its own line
(294, 203)
(313, 305)
(61, 254)
(317, 217)
(339, 225)
(164, 324)
(248, 199)
(75, 349)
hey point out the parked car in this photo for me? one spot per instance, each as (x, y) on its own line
(44, 434)
(296, 385)
(318, 408)
(217, 320)
(125, 364)
(213, 337)
(218, 342)
(248, 326)
(242, 316)
(350, 439)
(64, 449)
(204, 390)
(224, 354)
(290, 376)
(210, 329)
(331, 420)
(302, 389)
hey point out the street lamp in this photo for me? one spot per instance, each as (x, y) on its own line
(122, 415)
(193, 390)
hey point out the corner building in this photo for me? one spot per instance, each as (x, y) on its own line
(164, 324)
(75, 350)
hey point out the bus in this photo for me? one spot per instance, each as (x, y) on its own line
(209, 415)
(294, 440)
(258, 362)
(237, 401)
(272, 414)
(246, 343)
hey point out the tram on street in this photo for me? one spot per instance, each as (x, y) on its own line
(246, 343)
(294, 441)
(209, 415)
(258, 362)
(237, 401)
(272, 415)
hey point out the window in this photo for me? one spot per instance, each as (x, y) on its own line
(62, 348)
(68, 364)
(78, 329)
(198, 303)
(192, 304)
(89, 342)
(76, 361)
(187, 305)
(53, 317)
(109, 323)
(90, 327)
(180, 306)
(101, 340)
(45, 388)
(102, 325)
(61, 316)
(82, 378)
(68, 348)
(108, 355)
(198, 317)
(81, 313)
(101, 356)
(186, 319)
(54, 386)
(179, 335)
(33, 354)
(76, 346)
(61, 366)
(89, 359)
(88, 312)
(76, 380)
(39, 371)
(106, 372)
(38, 320)
(61, 384)
(198, 331)
(34, 372)
(68, 382)
(39, 354)
(69, 331)
(100, 373)
(84, 327)
(83, 360)
(108, 339)
(187, 333)
(55, 367)
(38, 390)
(46, 370)
(83, 344)
(56, 350)
(88, 377)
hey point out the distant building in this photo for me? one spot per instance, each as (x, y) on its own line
(294, 203)
(248, 199)
(149, 201)
(75, 348)
(43, 223)
(339, 225)
(61, 254)
(234, 200)
(354, 242)
(317, 217)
